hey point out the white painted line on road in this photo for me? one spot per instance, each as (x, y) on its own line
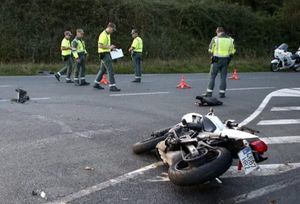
(249, 88)
(289, 108)
(265, 170)
(279, 122)
(233, 172)
(294, 92)
(263, 191)
(106, 184)
(140, 94)
(33, 99)
(281, 140)
(5, 86)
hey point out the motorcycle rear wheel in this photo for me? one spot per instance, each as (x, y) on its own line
(274, 67)
(151, 142)
(183, 173)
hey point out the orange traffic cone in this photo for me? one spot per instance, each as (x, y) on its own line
(234, 75)
(183, 84)
(104, 80)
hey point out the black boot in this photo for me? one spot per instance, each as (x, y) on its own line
(98, 86)
(57, 76)
(207, 94)
(84, 83)
(136, 80)
(114, 89)
(222, 95)
(76, 83)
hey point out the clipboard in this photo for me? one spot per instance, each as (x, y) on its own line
(116, 54)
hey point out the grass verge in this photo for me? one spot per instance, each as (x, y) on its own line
(193, 65)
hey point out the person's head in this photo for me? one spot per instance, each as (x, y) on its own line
(134, 33)
(220, 31)
(79, 33)
(68, 34)
(111, 27)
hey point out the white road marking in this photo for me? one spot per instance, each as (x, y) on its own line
(263, 191)
(33, 99)
(294, 92)
(5, 86)
(233, 172)
(249, 88)
(281, 140)
(140, 94)
(106, 184)
(279, 122)
(289, 108)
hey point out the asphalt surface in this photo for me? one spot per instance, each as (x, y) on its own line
(47, 143)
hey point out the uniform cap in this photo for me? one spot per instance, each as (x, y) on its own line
(67, 32)
(79, 30)
(133, 31)
(112, 25)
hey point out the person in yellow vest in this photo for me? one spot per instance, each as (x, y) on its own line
(66, 57)
(136, 51)
(222, 49)
(79, 53)
(104, 48)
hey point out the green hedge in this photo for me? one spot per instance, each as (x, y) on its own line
(31, 30)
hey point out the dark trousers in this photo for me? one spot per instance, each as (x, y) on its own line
(137, 60)
(220, 65)
(68, 66)
(80, 69)
(106, 67)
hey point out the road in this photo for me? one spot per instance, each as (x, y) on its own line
(47, 142)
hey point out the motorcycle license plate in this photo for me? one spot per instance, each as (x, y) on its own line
(247, 160)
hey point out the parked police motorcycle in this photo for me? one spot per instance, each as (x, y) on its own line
(284, 59)
(201, 148)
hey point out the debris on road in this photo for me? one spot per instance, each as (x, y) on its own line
(208, 101)
(88, 168)
(22, 96)
(40, 193)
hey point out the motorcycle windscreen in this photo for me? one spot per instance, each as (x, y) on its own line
(283, 47)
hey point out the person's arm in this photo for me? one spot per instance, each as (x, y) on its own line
(232, 48)
(64, 45)
(133, 45)
(101, 43)
(211, 46)
(74, 50)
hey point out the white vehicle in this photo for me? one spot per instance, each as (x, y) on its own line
(284, 59)
(201, 148)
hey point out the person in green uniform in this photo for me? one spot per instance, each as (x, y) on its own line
(104, 48)
(222, 49)
(136, 50)
(66, 57)
(79, 53)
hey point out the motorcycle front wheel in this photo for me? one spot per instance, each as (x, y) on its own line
(183, 173)
(275, 67)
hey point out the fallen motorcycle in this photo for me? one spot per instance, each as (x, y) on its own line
(201, 148)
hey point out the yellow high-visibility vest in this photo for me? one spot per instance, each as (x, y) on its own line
(104, 39)
(222, 46)
(66, 44)
(137, 44)
(78, 46)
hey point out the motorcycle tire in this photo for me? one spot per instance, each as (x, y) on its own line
(296, 69)
(151, 142)
(183, 174)
(274, 67)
